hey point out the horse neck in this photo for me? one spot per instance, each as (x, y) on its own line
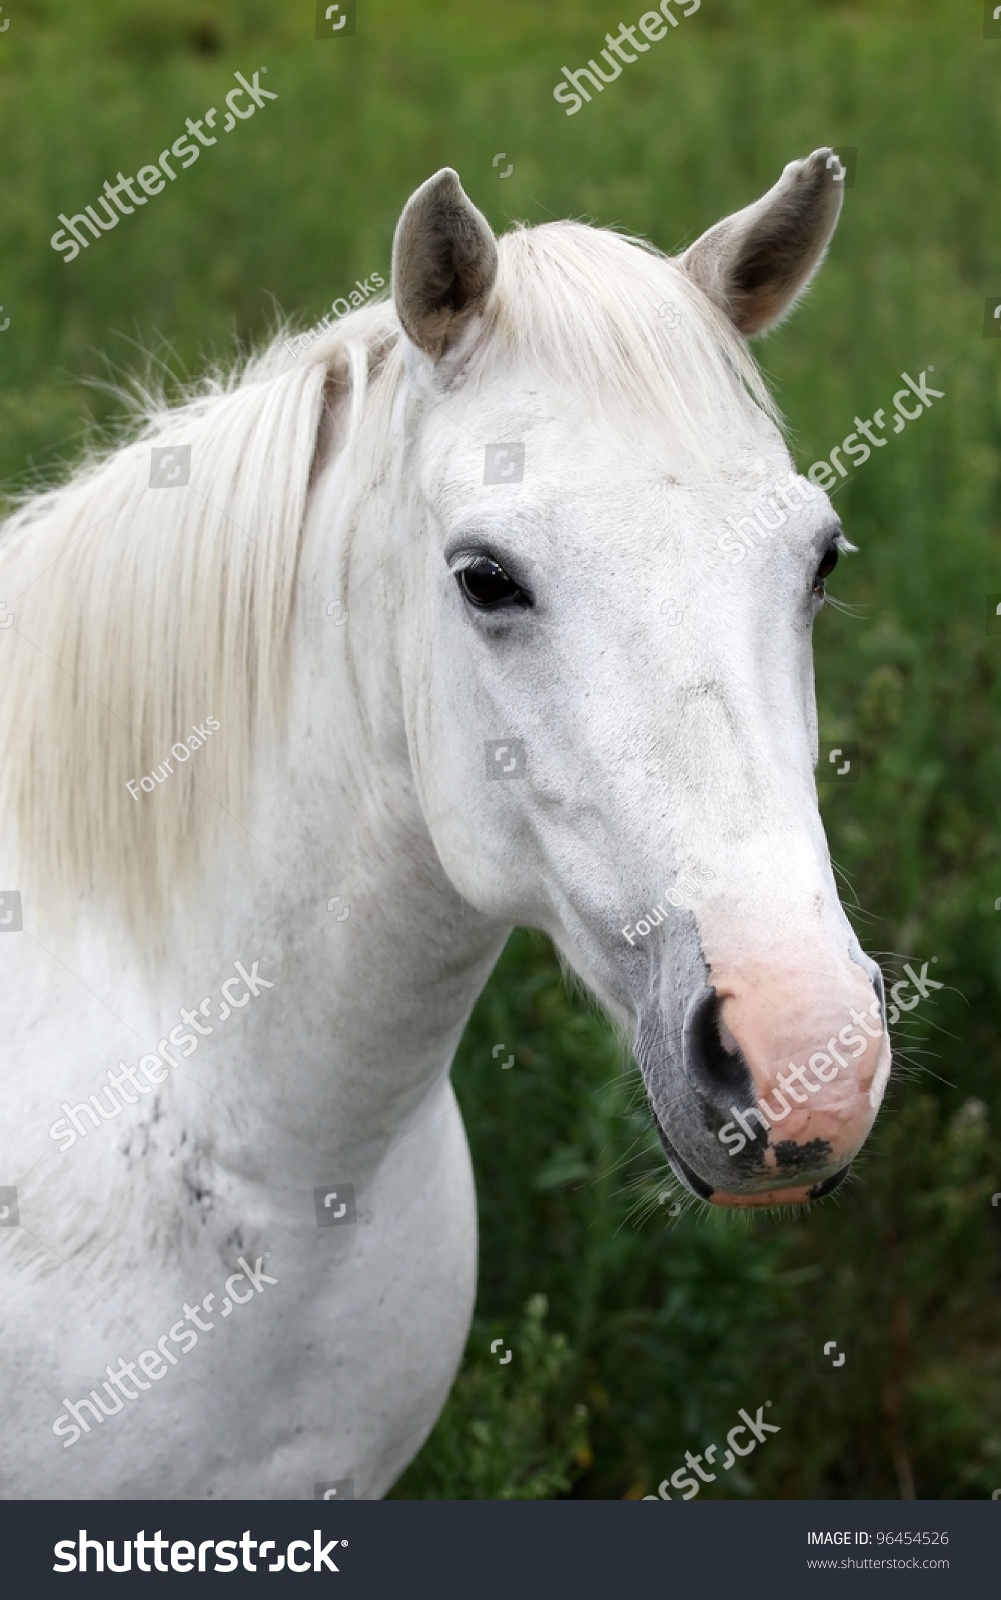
(375, 959)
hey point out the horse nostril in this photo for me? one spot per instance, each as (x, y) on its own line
(721, 1075)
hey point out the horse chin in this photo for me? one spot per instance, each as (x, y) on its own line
(781, 1197)
(798, 1195)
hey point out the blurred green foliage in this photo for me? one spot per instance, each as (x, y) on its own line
(510, 1431)
(660, 1327)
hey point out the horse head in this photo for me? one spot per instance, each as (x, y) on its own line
(611, 575)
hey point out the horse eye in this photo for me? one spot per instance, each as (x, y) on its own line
(827, 566)
(485, 584)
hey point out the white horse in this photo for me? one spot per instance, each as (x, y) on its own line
(345, 667)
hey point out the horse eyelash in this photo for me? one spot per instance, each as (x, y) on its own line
(468, 558)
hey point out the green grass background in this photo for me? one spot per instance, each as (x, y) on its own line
(635, 1336)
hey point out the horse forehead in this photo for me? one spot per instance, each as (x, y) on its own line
(548, 501)
(539, 438)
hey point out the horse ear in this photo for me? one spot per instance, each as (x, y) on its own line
(444, 263)
(755, 264)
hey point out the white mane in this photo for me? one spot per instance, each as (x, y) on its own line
(140, 612)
